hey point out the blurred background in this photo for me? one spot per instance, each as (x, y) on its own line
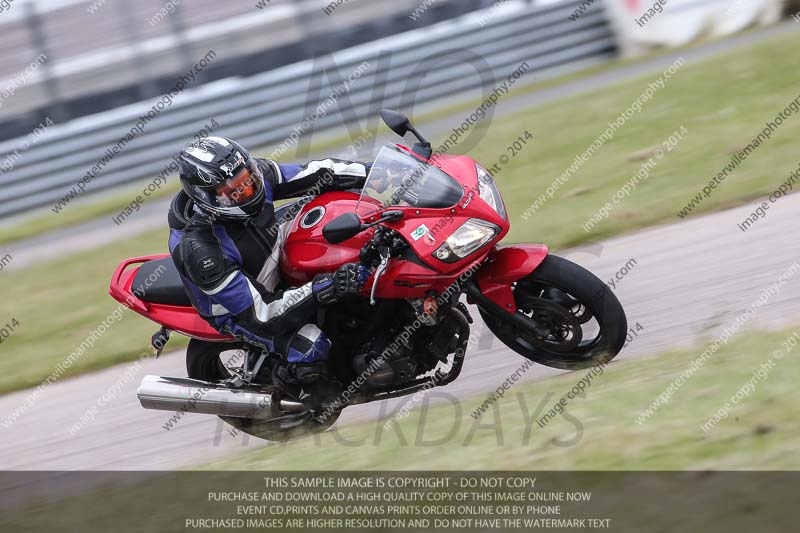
(98, 96)
(91, 68)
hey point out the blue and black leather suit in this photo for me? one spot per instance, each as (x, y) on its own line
(231, 270)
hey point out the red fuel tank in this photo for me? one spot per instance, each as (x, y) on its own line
(306, 253)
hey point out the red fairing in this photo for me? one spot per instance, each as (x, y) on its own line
(184, 320)
(441, 223)
(505, 266)
(419, 274)
(306, 253)
(406, 279)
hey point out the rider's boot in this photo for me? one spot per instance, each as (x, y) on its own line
(304, 374)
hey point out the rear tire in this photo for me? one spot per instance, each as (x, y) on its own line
(560, 289)
(203, 362)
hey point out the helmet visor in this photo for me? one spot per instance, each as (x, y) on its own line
(241, 189)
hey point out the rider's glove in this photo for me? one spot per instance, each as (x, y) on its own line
(346, 281)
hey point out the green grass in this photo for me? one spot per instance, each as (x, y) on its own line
(760, 433)
(84, 210)
(89, 210)
(744, 89)
(723, 103)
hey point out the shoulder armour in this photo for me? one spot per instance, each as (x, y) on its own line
(204, 262)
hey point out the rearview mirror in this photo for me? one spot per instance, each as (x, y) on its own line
(397, 122)
(401, 124)
(342, 228)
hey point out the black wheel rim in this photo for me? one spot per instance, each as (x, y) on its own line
(572, 331)
(558, 330)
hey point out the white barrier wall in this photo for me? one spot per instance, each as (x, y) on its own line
(645, 24)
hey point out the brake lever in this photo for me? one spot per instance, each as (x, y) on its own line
(378, 273)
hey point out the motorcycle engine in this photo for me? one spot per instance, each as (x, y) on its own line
(407, 360)
(394, 369)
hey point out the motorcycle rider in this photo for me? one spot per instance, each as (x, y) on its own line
(225, 241)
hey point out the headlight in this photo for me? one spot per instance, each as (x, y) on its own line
(489, 192)
(467, 239)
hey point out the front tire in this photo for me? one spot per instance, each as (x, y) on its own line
(581, 321)
(204, 362)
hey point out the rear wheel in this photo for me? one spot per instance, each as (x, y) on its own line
(209, 361)
(579, 321)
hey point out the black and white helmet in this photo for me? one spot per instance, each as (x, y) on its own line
(222, 179)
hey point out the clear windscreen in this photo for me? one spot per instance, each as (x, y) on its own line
(398, 178)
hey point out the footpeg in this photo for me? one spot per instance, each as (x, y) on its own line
(159, 340)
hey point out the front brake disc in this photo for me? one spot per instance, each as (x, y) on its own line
(562, 329)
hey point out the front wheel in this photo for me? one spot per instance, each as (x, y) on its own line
(207, 361)
(579, 322)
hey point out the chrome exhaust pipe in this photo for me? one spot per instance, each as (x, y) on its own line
(195, 396)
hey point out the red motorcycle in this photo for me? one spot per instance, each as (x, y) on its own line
(429, 227)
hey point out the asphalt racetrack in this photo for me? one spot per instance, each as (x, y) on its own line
(673, 288)
(674, 291)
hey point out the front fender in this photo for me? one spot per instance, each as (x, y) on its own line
(506, 266)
